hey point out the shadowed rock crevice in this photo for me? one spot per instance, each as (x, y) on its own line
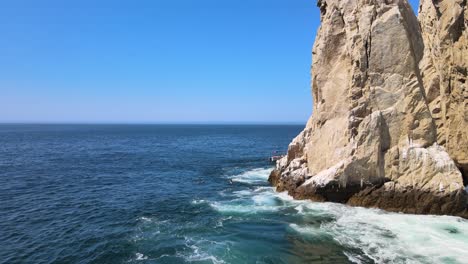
(385, 130)
(464, 172)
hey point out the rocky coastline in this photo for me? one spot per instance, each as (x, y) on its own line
(389, 127)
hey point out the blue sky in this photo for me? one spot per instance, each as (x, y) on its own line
(177, 61)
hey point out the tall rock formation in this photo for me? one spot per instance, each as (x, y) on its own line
(444, 26)
(371, 140)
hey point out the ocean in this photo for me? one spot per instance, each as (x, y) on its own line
(187, 194)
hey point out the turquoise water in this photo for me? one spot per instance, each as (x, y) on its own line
(187, 194)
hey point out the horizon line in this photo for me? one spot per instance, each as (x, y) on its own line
(156, 123)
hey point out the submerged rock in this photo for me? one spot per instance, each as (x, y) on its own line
(372, 139)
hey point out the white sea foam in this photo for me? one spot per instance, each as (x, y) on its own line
(372, 233)
(197, 255)
(198, 201)
(250, 201)
(243, 193)
(286, 197)
(309, 230)
(140, 256)
(199, 251)
(259, 175)
(387, 237)
(145, 219)
(259, 200)
(153, 221)
(393, 238)
(222, 220)
(243, 208)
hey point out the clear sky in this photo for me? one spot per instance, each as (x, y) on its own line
(153, 61)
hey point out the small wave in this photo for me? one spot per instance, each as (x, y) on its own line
(222, 220)
(242, 208)
(162, 256)
(309, 230)
(255, 176)
(251, 201)
(145, 219)
(203, 257)
(198, 201)
(200, 250)
(140, 256)
(286, 197)
(243, 193)
(151, 221)
(299, 209)
(248, 193)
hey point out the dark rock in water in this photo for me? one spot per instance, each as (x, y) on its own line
(274, 177)
(412, 201)
(452, 230)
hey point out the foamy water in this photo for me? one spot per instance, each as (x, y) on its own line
(376, 235)
(259, 175)
(186, 194)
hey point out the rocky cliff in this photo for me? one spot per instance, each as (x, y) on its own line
(388, 128)
(444, 69)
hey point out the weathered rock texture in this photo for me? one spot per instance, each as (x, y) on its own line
(372, 139)
(444, 69)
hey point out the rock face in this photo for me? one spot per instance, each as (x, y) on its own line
(444, 69)
(372, 139)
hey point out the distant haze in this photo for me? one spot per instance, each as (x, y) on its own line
(181, 61)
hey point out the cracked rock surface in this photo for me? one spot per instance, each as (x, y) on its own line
(389, 124)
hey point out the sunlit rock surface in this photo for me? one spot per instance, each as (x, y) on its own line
(444, 69)
(372, 139)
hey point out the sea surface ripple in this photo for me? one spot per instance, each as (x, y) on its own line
(187, 194)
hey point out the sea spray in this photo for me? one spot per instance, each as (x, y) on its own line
(370, 234)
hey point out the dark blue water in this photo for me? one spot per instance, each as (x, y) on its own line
(185, 194)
